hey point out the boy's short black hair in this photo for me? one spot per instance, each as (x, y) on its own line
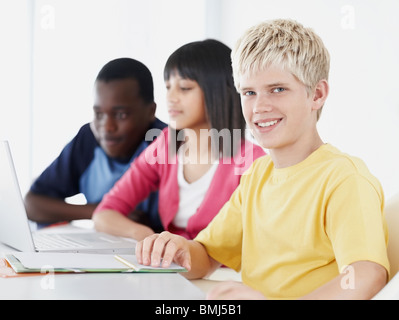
(127, 68)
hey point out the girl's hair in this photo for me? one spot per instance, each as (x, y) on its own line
(208, 63)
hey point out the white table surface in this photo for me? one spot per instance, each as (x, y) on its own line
(132, 286)
(93, 286)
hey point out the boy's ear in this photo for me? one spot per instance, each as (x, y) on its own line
(320, 94)
(152, 108)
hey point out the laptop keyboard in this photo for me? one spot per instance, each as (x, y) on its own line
(55, 241)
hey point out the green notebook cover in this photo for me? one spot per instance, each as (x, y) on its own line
(23, 262)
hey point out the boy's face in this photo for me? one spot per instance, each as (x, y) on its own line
(278, 109)
(121, 117)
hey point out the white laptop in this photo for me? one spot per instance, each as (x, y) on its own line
(16, 233)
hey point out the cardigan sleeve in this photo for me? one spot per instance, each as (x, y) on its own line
(142, 178)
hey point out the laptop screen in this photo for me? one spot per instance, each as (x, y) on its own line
(14, 225)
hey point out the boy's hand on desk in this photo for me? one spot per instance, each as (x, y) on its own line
(165, 247)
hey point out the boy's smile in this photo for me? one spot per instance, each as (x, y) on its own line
(280, 111)
(267, 124)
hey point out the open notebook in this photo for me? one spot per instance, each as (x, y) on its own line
(31, 262)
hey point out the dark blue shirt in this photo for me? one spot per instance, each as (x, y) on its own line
(84, 167)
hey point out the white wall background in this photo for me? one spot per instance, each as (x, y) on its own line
(15, 79)
(52, 51)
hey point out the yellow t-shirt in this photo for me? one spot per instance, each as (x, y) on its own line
(292, 230)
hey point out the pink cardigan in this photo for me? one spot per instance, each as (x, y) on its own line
(152, 171)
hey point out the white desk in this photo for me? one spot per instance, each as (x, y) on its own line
(108, 286)
(98, 286)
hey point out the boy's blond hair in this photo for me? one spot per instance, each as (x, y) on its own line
(284, 43)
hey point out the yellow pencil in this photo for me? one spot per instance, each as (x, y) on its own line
(127, 263)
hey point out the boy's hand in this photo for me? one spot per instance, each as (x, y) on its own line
(165, 247)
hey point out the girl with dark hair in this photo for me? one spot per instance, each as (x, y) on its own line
(207, 64)
(197, 162)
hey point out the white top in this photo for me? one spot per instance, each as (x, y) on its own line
(191, 195)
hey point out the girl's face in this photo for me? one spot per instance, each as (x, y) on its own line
(186, 104)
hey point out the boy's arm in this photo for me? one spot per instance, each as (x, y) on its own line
(45, 209)
(170, 248)
(361, 280)
(45, 200)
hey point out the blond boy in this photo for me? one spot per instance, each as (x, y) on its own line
(308, 221)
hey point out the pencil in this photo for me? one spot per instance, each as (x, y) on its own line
(126, 263)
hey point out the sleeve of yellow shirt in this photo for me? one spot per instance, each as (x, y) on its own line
(355, 222)
(223, 236)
